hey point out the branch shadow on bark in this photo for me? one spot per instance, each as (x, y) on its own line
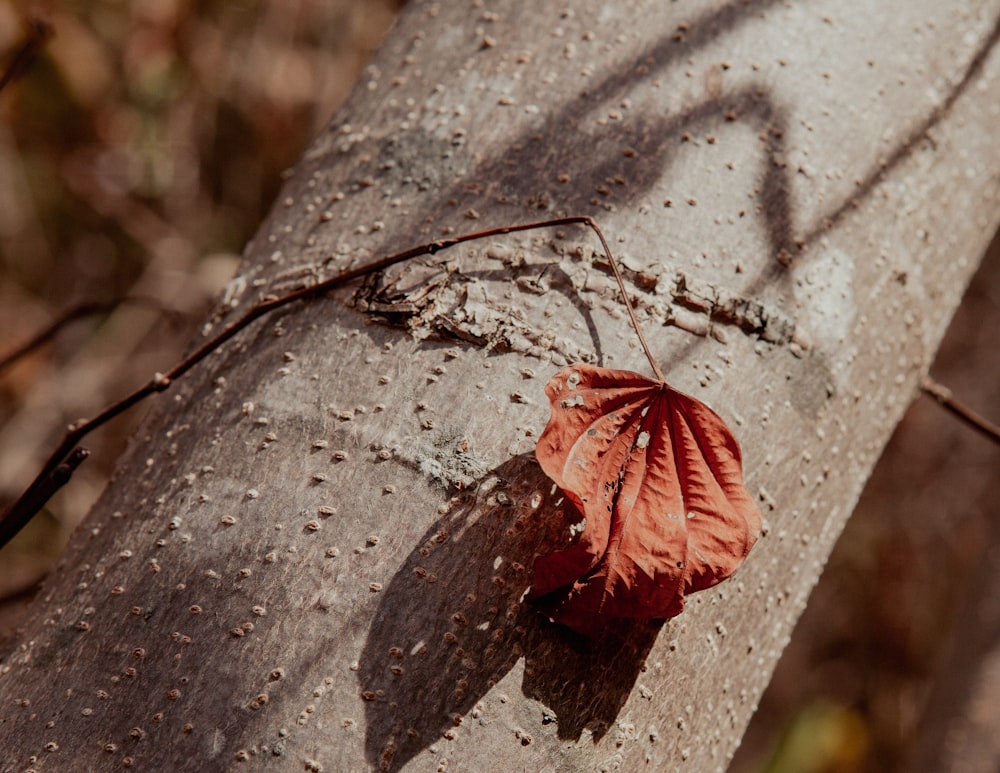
(451, 624)
(525, 175)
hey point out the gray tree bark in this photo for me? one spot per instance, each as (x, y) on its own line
(315, 552)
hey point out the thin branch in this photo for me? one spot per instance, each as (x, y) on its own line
(70, 315)
(49, 332)
(37, 36)
(44, 488)
(63, 460)
(944, 396)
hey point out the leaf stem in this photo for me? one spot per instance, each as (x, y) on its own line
(628, 303)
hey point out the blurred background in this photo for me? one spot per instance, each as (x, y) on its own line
(137, 156)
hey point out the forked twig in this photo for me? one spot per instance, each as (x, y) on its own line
(69, 455)
(944, 396)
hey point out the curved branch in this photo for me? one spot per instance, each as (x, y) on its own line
(67, 456)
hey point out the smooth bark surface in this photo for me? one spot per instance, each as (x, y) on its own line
(316, 551)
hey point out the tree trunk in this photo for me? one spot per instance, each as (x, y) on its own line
(315, 552)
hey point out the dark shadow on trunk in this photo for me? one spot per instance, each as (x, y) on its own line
(422, 675)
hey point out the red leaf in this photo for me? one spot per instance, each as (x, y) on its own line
(657, 477)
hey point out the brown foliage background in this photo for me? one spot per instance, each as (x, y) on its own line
(137, 157)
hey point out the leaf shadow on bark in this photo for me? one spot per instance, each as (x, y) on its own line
(451, 624)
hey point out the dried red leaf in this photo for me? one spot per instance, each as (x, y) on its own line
(657, 478)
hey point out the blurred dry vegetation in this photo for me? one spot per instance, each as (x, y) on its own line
(137, 156)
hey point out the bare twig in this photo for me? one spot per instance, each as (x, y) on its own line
(69, 454)
(943, 395)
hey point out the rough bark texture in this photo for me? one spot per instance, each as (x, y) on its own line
(315, 553)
